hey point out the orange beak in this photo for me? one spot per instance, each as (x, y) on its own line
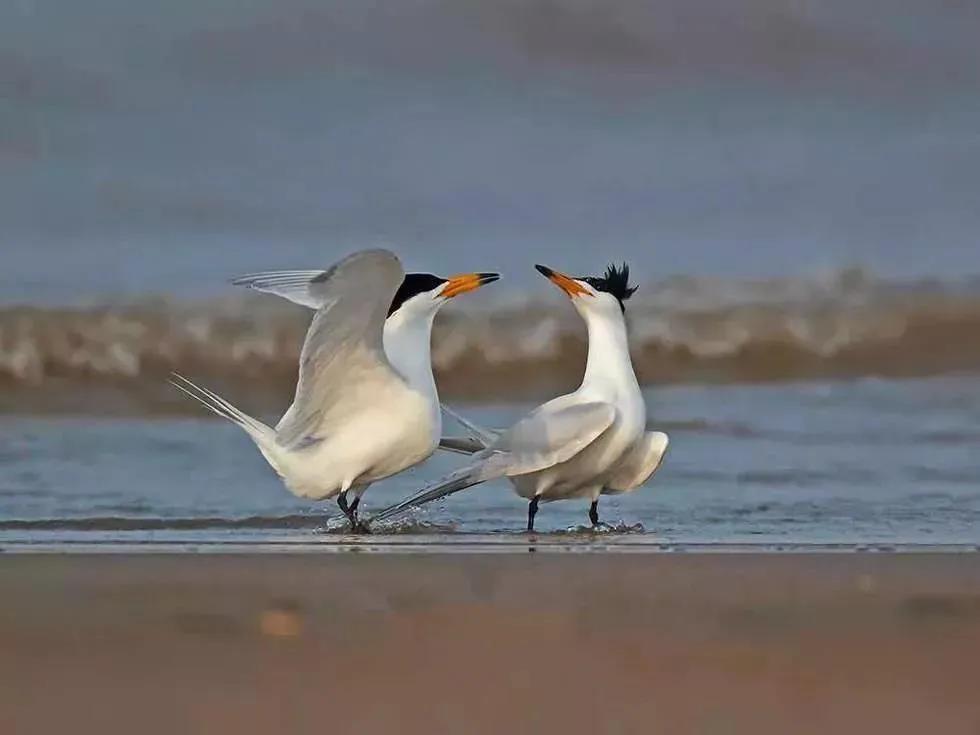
(466, 282)
(566, 283)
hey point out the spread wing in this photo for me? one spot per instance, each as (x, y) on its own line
(549, 435)
(343, 365)
(639, 464)
(300, 287)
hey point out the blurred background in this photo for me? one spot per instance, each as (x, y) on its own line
(808, 156)
(794, 184)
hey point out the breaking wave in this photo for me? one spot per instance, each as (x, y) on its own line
(848, 324)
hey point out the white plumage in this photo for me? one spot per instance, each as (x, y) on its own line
(366, 405)
(581, 445)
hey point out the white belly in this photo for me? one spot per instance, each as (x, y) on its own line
(377, 443)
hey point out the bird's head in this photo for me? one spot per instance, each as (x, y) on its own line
(422, 294)
(605, 294)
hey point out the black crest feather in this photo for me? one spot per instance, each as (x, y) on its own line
(615, 281)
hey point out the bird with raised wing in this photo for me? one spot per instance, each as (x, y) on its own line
(366, 405)
(580, 445)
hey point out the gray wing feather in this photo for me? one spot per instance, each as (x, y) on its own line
(343, 363)
(552, 434)
(548, 436)
(639, 464)
(292, 285)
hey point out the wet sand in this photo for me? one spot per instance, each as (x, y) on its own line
(599, 643)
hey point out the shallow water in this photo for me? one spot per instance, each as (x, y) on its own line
(851, 464)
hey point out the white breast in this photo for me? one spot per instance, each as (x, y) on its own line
(380, 441)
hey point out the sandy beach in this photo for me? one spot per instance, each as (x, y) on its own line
(601, 643)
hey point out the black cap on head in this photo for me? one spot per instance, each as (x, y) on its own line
(412, 285)
(615, 281)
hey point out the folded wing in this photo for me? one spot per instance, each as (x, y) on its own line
(639, 464)
(553, 433)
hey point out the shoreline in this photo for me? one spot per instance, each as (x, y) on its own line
(471, 544)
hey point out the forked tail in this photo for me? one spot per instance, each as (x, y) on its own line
(264, 436)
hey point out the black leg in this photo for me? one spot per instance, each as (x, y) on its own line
(594, 513)
(532, 509)
(355, 523)
(347, 509)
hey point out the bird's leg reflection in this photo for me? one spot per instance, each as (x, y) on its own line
(532, 509)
